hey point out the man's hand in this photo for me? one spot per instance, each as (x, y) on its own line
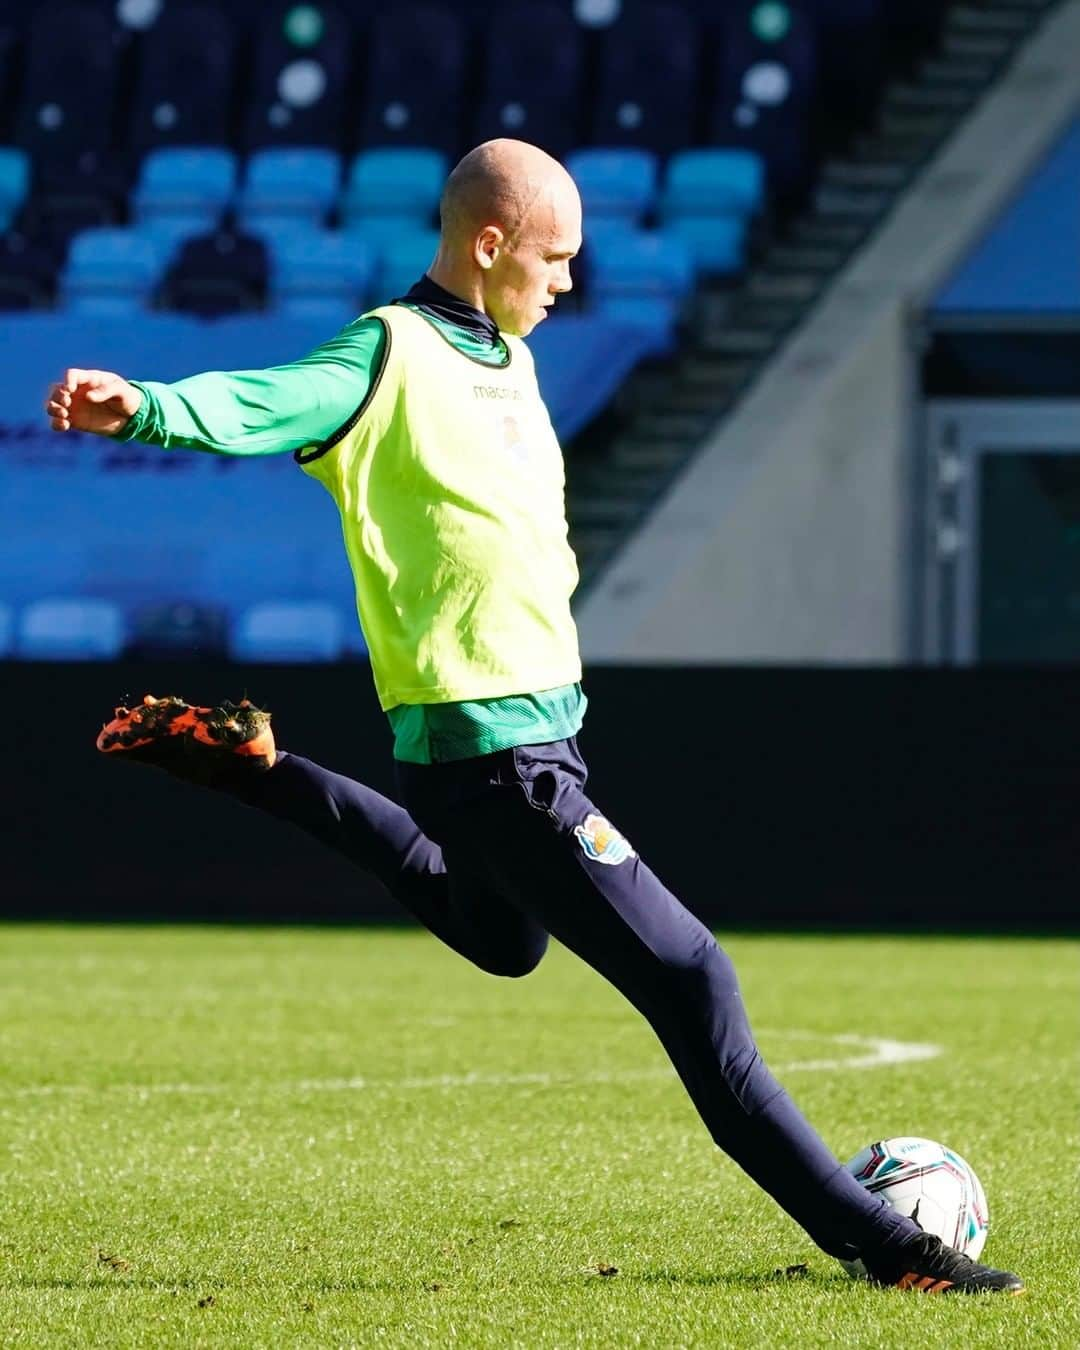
(92, 400)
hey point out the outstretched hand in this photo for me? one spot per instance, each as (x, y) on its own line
(92, 400)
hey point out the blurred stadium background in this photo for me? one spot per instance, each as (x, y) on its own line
(817, 385)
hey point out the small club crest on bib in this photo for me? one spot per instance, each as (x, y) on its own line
(602, 842)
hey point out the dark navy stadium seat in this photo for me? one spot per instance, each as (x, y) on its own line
(414, 81)
(850, 58)
(648, 83)
(531, 86)
(28, 268)
(220, 273)
(765, 89)
(69, 86)
(301, 81)
(77, 191)
(185, 79)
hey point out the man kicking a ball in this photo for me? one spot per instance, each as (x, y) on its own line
(424, 421)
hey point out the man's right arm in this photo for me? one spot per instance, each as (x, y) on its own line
(245, 412)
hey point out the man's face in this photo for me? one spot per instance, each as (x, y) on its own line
(530, 270)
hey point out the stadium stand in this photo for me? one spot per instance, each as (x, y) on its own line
(276, 169)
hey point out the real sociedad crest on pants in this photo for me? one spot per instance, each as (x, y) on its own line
(602, 842)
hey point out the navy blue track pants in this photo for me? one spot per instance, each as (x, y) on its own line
(495, 853)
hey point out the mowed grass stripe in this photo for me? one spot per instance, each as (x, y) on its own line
(487, 1216)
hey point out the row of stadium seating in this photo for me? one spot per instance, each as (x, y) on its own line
(82, 629)
(749, 73)
(412, 80)
(640, 277)
(187, 191)
(282, 254)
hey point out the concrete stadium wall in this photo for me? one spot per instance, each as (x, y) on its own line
(769, 796)
(787, 538)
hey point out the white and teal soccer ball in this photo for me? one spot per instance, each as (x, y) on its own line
(929, 1183)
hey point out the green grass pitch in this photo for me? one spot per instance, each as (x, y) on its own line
(245, 1137)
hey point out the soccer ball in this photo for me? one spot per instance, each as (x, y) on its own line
(929, 1183)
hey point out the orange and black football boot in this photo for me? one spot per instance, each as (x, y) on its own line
(925, 1265)
(203, 745)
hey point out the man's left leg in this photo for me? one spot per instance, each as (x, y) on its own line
(544, 846)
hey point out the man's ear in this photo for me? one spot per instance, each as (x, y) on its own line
(488, 244)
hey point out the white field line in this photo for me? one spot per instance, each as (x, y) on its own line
(877, 1052)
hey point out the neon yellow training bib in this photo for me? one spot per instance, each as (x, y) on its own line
(450, 485)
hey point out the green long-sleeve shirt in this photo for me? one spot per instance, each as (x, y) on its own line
(305, 403)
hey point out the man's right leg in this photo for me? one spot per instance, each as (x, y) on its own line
(231, 748)
(381, 837)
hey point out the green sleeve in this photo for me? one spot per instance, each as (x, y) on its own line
(263, 412)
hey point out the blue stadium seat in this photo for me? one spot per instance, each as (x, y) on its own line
(648, 80)
(111, 270)
(300, 86)
(14, 183)
(522, 96)
(7, 630)
(191, 185)
(707, 182)
(184, 84)
(289, 185)
(643, 278)
(709, 197)
(717, 244)
(69, 84)
(765, 90)
(402, 263)
(616, 186)
(328, 266)
(70, 630)
(414, 84)
(395, 184)
(288, 631)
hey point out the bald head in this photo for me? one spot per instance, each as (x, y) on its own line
(501, 182)
(511, 223)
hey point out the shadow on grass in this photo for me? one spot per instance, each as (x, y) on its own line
(734, 1280)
